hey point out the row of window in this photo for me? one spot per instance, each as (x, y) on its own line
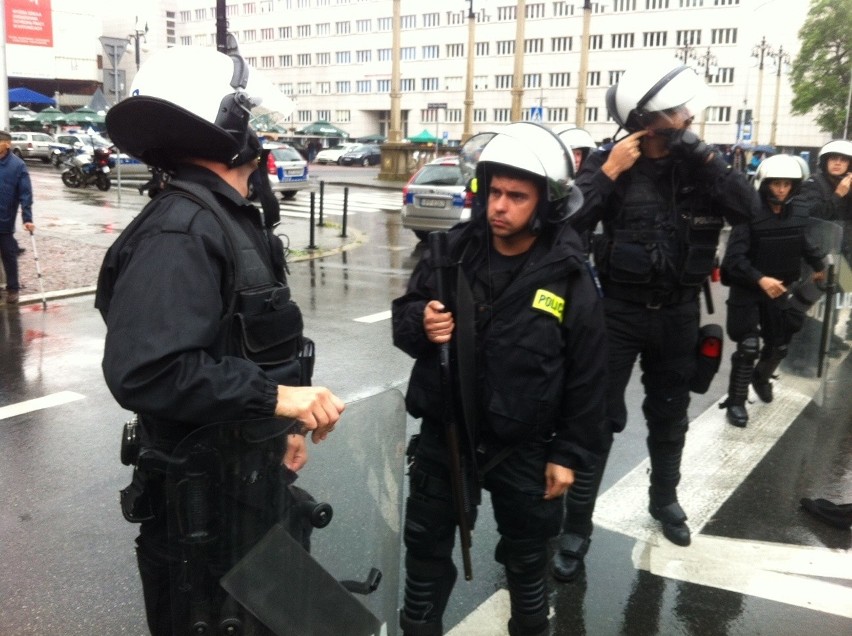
(558, 114)
(538, 10)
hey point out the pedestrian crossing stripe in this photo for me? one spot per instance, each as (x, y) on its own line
(37, 404)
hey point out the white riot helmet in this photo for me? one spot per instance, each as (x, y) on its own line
(578, 139)
(532, 150)
(651, 89)
(780, 167)
(836, 147)
(187, 102)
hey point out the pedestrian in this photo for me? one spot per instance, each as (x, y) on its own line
(662, 196)
(763, 261)
(537, 334)
(15, 192)
(201, 331)
(737, 159)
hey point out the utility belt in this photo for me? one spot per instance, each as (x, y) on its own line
(652, 298)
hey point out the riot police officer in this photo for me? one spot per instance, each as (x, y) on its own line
(197, 275)
(762, 260)
(538, 376)
(662, 196)
(581, 143)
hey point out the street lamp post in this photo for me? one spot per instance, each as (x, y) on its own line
(468, 89)
(707, 60)
(518, 76)
(138, 33)
(686, 53)
(760, 51)
(781, 58)
(580, 117)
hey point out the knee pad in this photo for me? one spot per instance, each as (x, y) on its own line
(521, 556)
(667, 431)
(748, 348)
(429, 527)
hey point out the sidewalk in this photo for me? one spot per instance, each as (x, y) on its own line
(69, 263)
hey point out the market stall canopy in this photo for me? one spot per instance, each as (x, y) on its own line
(21, 113)
(425, 137)
(50, 115)
(25, 95)
(323, 129)
(85, 116)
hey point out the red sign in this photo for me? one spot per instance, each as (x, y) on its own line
(29, 22)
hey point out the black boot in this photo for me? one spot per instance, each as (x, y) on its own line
(665, 458)
(838, 515)
(573, 543)
(764, 370)
(741, 368)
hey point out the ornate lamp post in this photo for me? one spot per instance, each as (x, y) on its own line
(518, 77)
(781, 58)
(580, 118)
(707, 60)
(138, 33)
(760, 51)
(468, 89)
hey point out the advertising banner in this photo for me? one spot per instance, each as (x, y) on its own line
(29, 22)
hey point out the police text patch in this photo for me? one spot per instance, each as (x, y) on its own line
(549, 302)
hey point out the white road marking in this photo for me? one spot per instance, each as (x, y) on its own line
(46, 402)
(382, 315)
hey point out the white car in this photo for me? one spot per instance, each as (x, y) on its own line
(288, 171)
(333, 154)
(32, 145)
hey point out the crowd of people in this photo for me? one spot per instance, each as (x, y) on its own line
(577, 262)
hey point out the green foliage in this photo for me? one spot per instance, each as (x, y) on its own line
(820, 73)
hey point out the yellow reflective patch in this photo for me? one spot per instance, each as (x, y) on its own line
(549, 302)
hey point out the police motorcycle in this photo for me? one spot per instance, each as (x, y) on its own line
(85, 168)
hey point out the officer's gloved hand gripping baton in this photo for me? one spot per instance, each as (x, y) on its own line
(452, 424)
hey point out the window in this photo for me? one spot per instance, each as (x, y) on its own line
(654, 38)
(502, 114)
(456, 17)
(454, 115)
(656, 5)
(385, 55)
(725, 3)
(324, 28)
(685, 4)
(343, 86)
(455, 50)
(505, 14)
(363, 56)
(722, 76)
(429, 84)
(408, 53)
(505, 47)
(502, 81)
(324, 88)
(267, 61)
(622, 40)
(201, 14)
(249, 35)
(267, 34)
(621, 6)
(364, 86)
(185, 16)
(431, 52)
(323, 59)
(303, 88)
(718, 114)
(560, 44)
(534, 10)
(285, 33)
(266, 6)
(455, 83)
(250, 60)
(303, 59)
(431, 19)
(343, 57)
(481, 49)
(342, 116)
(595, 42)
(557, 114)
(303, 31)
(304, 116)
(286, 88)
(532, 80)
(592, 113)
(593, 78)
(614, 76)
(324, 115)
(534, 45)
(480, 82)
(363, 26)
(383, 86)
(384, 24)
(342, 28)
(480, 115)
(561, 9)
(723, 36)
(285, 60)
(691, 36)
(560, 80)
(406, 85)
(428, 116)
(408, 22)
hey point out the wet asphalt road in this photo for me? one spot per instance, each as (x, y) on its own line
(758, 565)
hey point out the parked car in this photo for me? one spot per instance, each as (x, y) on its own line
(435, 198)
(333, 154)
(131, 168)
(362, 155)
(32, 145)
(288, 170)
(83, 141)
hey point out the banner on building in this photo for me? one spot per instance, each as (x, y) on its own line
(29, 22)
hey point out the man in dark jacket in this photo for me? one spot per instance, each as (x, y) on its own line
(539, 357)
(662, 196)
(202, 335)
(15, 191)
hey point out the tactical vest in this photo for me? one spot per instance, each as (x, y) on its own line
(777, 241)
(664, 237)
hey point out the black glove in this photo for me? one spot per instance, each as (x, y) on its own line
(685, 144)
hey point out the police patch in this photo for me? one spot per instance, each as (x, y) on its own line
(549, 302)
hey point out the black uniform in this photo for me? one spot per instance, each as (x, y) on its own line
(540, 388)
(661, 222)
(171, 354)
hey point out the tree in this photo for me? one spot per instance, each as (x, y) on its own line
(821, 72)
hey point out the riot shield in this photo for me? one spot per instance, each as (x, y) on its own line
(825, 333)
(259, 551)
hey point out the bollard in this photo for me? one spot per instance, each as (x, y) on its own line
(312, 245)
(345, 207)
(322, 195)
